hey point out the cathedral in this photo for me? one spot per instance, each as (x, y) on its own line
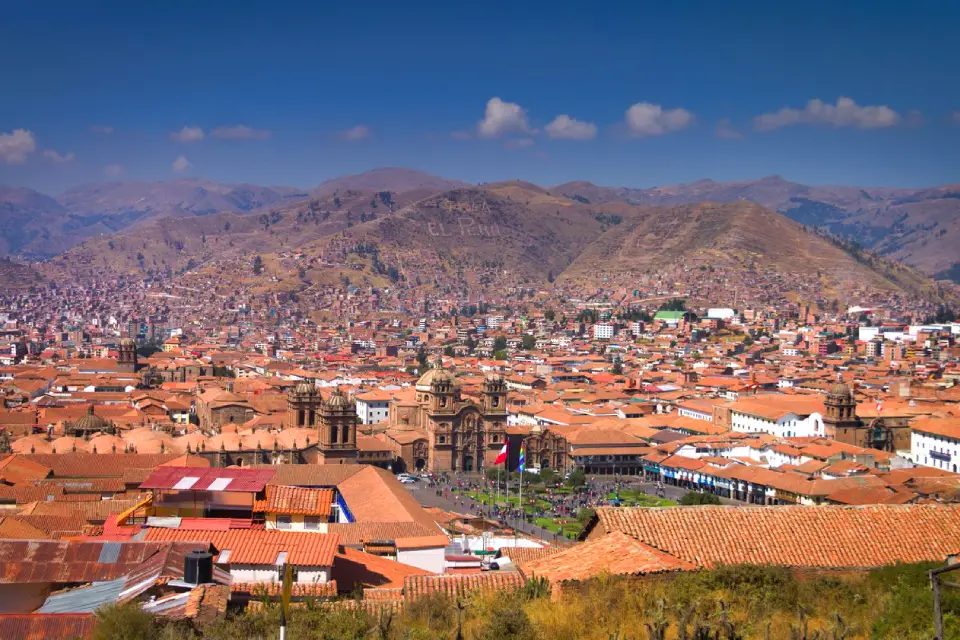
(842, 423)
(440, 431)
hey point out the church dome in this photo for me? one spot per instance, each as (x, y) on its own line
(127, 342)
(91, 423)
(436, 374)
(338, 399)
(305, 388)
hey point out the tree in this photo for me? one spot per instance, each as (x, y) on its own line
(529, 342)
(422, 358)
(257, 266)
(617, 367)
(448, 351)
(500, 354)
(674, 304)
(699, 497)
(550, 314)
(577, 479)
(499, 343)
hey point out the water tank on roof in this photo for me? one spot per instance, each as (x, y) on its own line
(198, 568)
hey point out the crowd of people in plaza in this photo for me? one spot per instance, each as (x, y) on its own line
(496, 500)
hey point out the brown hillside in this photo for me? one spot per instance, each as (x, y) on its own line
(743, 237)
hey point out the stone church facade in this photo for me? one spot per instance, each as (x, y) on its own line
(440, 431)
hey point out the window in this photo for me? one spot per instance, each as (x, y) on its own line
(283, 522)
(443, 439)
(311, 523)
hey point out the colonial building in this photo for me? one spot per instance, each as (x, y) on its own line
(842, 423)
(449, 432)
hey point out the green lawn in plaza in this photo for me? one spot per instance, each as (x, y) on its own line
(634, 498)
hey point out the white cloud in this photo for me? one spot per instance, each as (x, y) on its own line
(567, 128)
(113, 170)
(359, 132)
(846, 113)
(102, 129)
(188, 134)
(646, 119)
(16, 146)
(240, 132)
(181, 164)
(518, 143)
(57, 158)
(725, 129)
(503, 117)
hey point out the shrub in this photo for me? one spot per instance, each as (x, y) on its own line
(699, 497)
(125, 622)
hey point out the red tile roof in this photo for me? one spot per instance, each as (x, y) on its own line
(802, 536)
(296, 500)
(615, 553)
(455, 586)
(256, 546)
(353, 568)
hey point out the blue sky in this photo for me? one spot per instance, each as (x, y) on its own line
(654, 93)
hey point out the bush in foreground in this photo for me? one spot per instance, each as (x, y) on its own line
(727, 603)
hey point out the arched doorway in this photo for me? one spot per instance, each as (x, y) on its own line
(420, 464)
(468, 463)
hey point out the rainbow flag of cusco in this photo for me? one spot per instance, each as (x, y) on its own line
(523, 460)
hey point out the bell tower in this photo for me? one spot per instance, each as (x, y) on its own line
(127, 360)
(494, 396)
(841, 421)
(303, 401)
(337, 429)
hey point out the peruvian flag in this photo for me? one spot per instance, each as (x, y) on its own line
(502, 456)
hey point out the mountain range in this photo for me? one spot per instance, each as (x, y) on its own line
(567, 231)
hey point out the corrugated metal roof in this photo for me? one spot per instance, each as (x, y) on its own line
(109, 553)
(61, 561)
(44, 627)
(199, 479)
(85, 599)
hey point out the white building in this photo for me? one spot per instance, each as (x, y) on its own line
(373, 407)
(782, 416)
(936, 443)
(603, 331)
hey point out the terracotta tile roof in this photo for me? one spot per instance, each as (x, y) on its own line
(455, 586)
(12, 528)
(311, 475)
(16, 469)
(55, 526)
(353, 568)
(46, 626)
(615, 553)
(406, 535)
(92, 465)
(802, 536)
(300, 589)
(522, 556)
(298, 500)
(257, 546)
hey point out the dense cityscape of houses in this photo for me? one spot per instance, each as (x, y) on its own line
(188, 455)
